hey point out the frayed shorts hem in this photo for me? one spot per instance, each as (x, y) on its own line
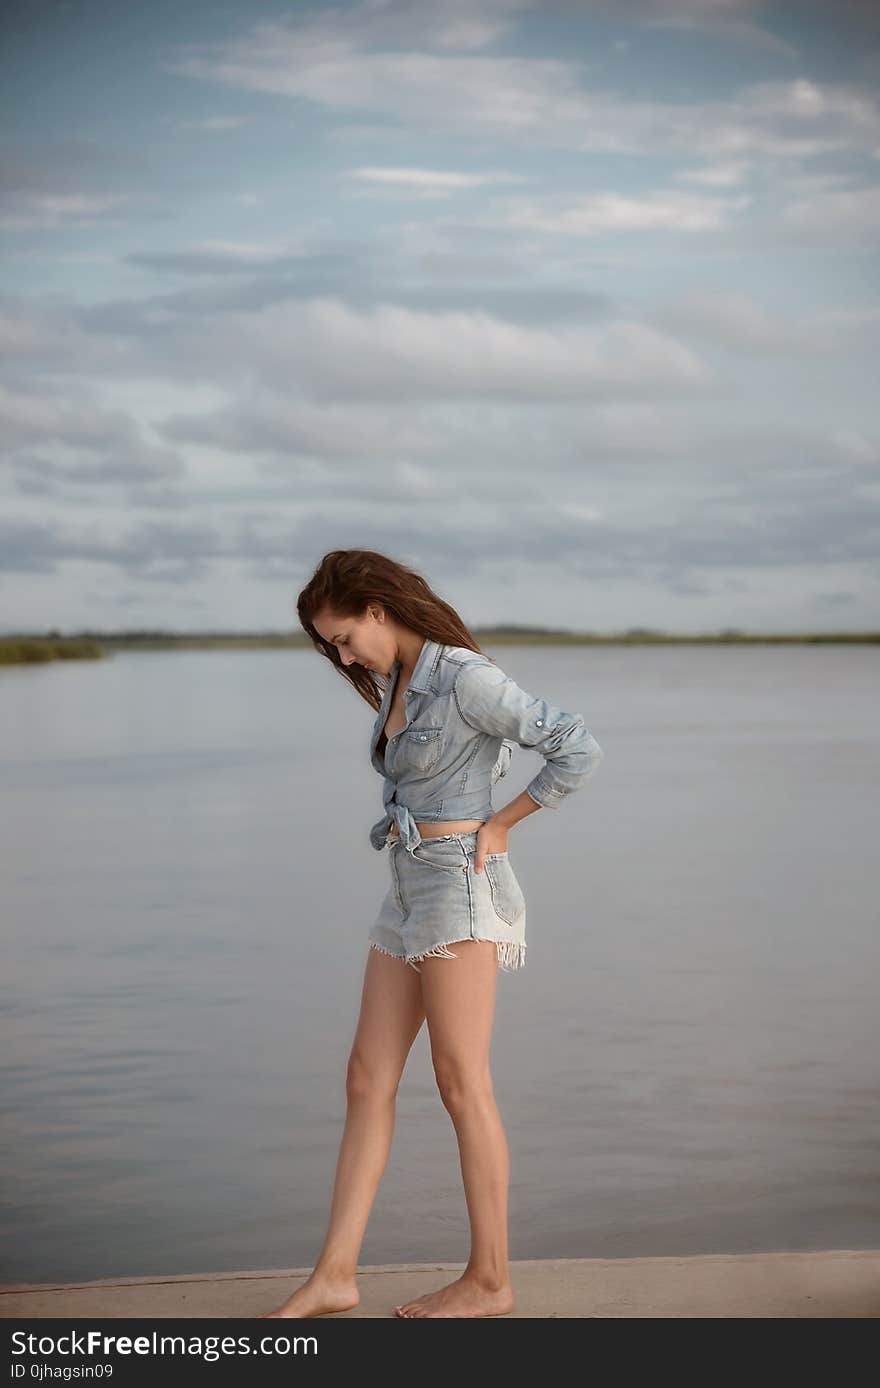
(436, 898)
(511, 953)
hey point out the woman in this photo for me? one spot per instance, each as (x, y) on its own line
(447, 720)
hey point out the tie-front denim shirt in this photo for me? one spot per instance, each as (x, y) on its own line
(463, 717)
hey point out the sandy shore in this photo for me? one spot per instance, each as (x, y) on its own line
(837, 1283)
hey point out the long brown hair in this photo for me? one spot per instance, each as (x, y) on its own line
(348, 580)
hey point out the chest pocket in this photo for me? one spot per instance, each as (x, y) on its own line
(419, 749)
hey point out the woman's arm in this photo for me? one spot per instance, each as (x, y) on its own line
(491, 702)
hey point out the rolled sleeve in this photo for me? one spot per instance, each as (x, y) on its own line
(489, 701)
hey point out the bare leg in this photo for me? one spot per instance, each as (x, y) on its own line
(459, 1000)
(391, 1016)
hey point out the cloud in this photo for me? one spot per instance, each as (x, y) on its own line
(609, 213)
(213, 123)
(324, 348)
(431, 183)
(355, 60)
(174, 551)
(789, 500)
(849, 214)
(38, 164)
(221, 257)
(441, 279)
(48, 338)
(119, 452)
(136, 465)
(721, 175)
(63, 183)
(275, 424)
(52, 211)
(740, 323)
(331, 351)
(724, 19)
(26, 415)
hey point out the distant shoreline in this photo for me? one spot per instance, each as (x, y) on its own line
(31, 648)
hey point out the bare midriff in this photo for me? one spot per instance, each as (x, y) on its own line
(437, 827)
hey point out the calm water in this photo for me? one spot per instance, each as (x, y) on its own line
(688, 1063)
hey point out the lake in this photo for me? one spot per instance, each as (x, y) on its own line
(688, 1063)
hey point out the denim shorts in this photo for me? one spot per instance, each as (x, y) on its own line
(436, 897)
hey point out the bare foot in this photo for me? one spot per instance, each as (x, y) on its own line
(464, 1297)
(317, 1297)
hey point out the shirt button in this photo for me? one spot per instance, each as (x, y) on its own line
(424, 737)
(540, 722)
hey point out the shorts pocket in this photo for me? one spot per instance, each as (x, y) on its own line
(444, 854)
(507, 896)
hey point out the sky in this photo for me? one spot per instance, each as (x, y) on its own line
(571, 306)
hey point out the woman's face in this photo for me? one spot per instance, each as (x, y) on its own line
(359, 640)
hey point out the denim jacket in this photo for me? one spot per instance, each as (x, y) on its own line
(463, 717)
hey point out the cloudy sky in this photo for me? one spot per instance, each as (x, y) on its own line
(572, 306)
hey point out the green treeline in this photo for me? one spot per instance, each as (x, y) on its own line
(35, 650)
(25, 648)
